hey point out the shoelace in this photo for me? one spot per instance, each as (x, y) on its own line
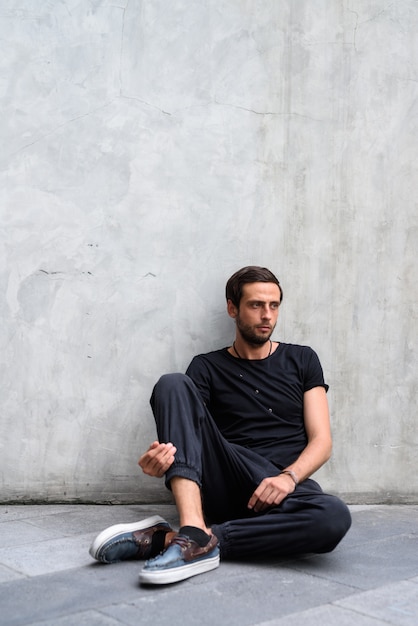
(183, 541)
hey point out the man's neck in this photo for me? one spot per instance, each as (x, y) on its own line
(243, 350)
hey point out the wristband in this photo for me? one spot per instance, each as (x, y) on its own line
(292, 475)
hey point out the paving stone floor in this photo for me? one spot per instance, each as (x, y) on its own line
(47, 576)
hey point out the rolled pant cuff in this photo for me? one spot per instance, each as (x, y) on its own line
(182, 471)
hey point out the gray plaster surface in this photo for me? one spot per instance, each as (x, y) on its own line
(149, 149)
(48, 578)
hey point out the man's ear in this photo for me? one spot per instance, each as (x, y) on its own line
(231, 308)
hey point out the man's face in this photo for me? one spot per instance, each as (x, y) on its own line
(258, 311)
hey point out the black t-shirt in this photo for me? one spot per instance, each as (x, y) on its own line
(259, 403)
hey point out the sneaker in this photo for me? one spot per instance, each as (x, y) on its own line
(127, 541)
(182, 559)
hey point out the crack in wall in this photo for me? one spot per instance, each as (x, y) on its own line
(148, 104)
(57, 128)
(122, 38)
(354, 29)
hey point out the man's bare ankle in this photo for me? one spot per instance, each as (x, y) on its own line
(195, 524)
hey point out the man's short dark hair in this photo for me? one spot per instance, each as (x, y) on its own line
(249, 274)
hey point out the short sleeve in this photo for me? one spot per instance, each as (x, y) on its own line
(313, 375)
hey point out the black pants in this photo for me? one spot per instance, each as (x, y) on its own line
(306, 521)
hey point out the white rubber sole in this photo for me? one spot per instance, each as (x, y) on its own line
(164, 577)
(117, 529)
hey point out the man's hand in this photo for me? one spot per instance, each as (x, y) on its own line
(157, 459)
(270, 492)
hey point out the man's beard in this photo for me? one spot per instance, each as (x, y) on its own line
(249, 333)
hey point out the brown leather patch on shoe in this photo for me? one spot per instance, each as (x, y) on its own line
(191, 550)
(143, 539)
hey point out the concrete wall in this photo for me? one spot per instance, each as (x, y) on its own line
(148, 150)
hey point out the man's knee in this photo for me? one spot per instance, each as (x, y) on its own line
(170, 382)
(174, 390)
(333, 526)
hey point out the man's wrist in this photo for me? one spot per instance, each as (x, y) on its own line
(292, 475)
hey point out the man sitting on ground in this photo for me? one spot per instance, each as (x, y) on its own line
(238, 438)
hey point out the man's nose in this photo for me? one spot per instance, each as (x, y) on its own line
(266, 313)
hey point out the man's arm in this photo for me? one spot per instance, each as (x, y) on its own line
(272, 490)
(318, 430)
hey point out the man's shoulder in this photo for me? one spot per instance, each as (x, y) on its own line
(214, 356)
(295, 347)
(300, 351)
(203, 365)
